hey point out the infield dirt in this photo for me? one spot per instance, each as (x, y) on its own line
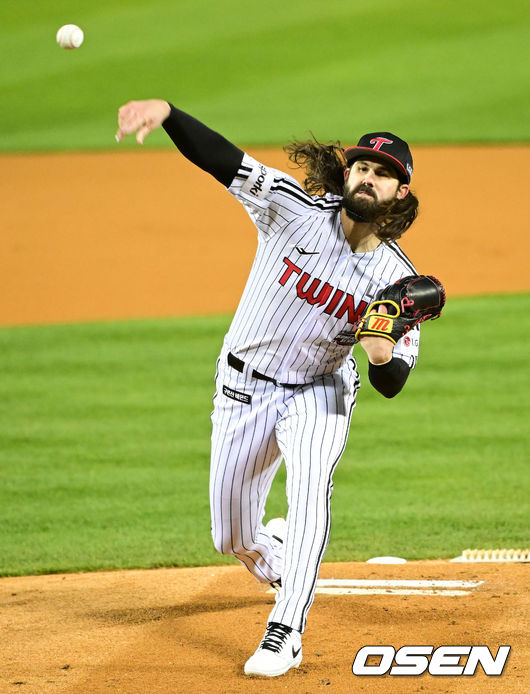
(169, 631)
(144, 234)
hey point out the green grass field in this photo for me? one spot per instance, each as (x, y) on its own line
(104, 428)
(262, 73)
(105, 445)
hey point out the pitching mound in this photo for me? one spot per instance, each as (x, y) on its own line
(191, 630)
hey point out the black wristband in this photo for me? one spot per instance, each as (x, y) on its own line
(202, 146)
(389, 378)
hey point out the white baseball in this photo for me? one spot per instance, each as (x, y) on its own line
(70, 36)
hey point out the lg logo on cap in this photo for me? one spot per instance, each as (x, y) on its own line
(415, 660)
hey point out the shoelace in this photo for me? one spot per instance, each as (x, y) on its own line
(275, 637)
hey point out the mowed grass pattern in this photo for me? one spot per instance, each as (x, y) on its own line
(263, 73)
(105, 445)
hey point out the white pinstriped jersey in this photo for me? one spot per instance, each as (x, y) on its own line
(306, 286)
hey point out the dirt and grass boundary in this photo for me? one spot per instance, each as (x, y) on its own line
(100, 236)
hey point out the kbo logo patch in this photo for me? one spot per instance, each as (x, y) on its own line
(415, 660)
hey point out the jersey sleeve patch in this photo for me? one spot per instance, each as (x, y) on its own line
(407, 347)
(259, 182)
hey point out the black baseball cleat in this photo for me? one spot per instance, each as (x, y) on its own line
(279, 651)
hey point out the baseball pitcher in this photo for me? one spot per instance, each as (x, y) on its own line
(328, 274)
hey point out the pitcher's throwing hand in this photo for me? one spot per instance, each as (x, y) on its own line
(141, 117)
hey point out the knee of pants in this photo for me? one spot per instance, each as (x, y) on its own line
(224, 543)
(222, 547)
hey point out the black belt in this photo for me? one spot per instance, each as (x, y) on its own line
(239, 365)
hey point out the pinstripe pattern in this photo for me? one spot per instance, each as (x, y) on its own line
(311, 453)
(307, 426)
(244, 459)
(294, 325)
(274, 330)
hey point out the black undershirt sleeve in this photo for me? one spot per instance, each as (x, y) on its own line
(202, 146)
(389, 378)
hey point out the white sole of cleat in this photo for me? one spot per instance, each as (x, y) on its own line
(255, 672)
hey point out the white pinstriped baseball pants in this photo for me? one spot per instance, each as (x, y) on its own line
(307, 426)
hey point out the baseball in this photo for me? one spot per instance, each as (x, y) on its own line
(70, 36)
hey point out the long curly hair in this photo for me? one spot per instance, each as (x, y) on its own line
(324, 166)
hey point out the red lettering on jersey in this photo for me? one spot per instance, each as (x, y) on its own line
(334, 301)
(291, 267)
(309, 294)
(378, 142)
(313, 295)
(359, 311)
(353, 313)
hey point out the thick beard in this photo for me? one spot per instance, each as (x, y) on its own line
(363, 209)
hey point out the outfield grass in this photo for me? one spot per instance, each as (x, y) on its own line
(262, 73)
(105, 445)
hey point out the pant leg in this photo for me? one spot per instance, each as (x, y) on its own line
(244, 459)
(312, 434)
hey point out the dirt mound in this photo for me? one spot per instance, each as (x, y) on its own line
(190, 630)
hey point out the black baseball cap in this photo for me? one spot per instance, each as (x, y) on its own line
(384, 147)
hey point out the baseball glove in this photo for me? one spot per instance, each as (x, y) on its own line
(409, 301)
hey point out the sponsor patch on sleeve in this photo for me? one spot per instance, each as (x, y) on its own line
(259, 182)
(408, 346)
